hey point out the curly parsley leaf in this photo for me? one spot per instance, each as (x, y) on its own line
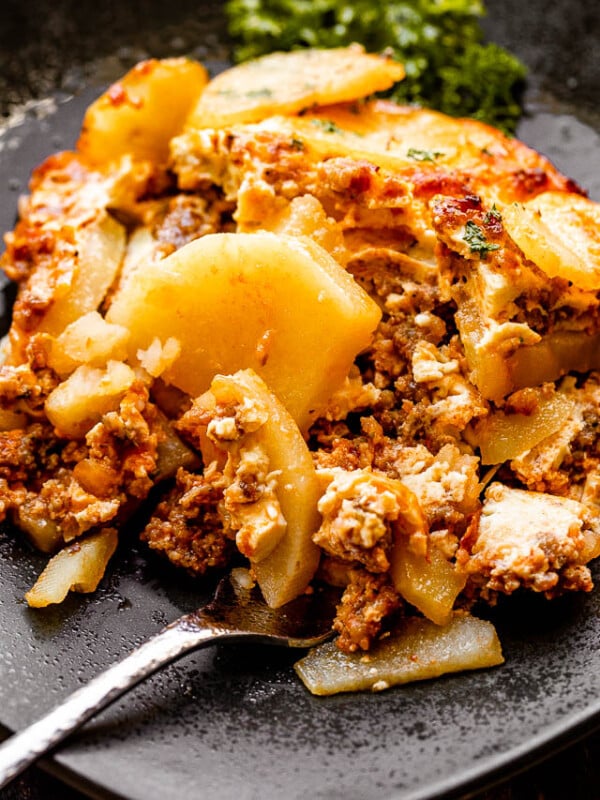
(440, 43)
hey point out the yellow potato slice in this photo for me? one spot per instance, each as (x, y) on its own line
(418, 651)
(88, 340)
(43, 533)
(79, 567)
(142, 112)
(286, 571)
(275, 304)
(502, 437)
(560, 232)
(100, 250)
(80, 401)
(286, 83)
(429, 582)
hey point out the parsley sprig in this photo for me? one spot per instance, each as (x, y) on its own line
(440, 42)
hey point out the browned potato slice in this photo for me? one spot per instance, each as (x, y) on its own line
(408, 139)
(560, 232)
(279, 305)
(286, 83)
(142, 112)
(419, 651)
(79, 567)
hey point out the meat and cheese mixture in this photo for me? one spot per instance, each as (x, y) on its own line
(337, 338)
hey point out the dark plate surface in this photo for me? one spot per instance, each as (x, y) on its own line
(235, 723)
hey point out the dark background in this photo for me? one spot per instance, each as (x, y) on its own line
(68, 44)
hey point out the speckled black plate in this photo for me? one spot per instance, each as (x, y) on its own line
(232, 722)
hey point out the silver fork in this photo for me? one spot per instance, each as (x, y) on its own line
(237, 613)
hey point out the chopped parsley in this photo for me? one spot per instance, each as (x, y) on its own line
(475, 238)
(327, 125)
(423, 155)
(440, 42)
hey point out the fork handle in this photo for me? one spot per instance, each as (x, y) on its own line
(24, 748)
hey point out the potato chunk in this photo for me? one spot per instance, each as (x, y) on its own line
(79, 402)
(100, 249)
(429, 582)
(275, 304)
(244, 417)
(419, 651)
(142, 112)
(286, 83)
(89, 340)
(502, 437)
(79, 567)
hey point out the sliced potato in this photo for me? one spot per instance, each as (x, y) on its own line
(502, 437)
(88, 340)
(43, 532)
(141, 113)
(429, 582)
(560, 232)
(286, 83)
(79, 567)
(276, 304)
(100, 249)
(419, 651)
(489, 346)
(558, 352)
(286, 571)
(79, 402)
(304, 216)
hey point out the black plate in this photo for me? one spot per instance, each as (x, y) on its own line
(232, 722)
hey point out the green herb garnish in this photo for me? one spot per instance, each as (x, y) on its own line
(327, 125)
(475, 238)
(423, 155)
(440, 42)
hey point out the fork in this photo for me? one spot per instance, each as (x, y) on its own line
(236, 613)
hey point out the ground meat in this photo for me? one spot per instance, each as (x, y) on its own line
(189, 217)
(26, 455)
(126, 442)
(186, 525)
(24, 390)
(64, 501)
(367, 601)
(80, 485)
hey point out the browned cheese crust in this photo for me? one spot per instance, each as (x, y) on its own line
(423, 233)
